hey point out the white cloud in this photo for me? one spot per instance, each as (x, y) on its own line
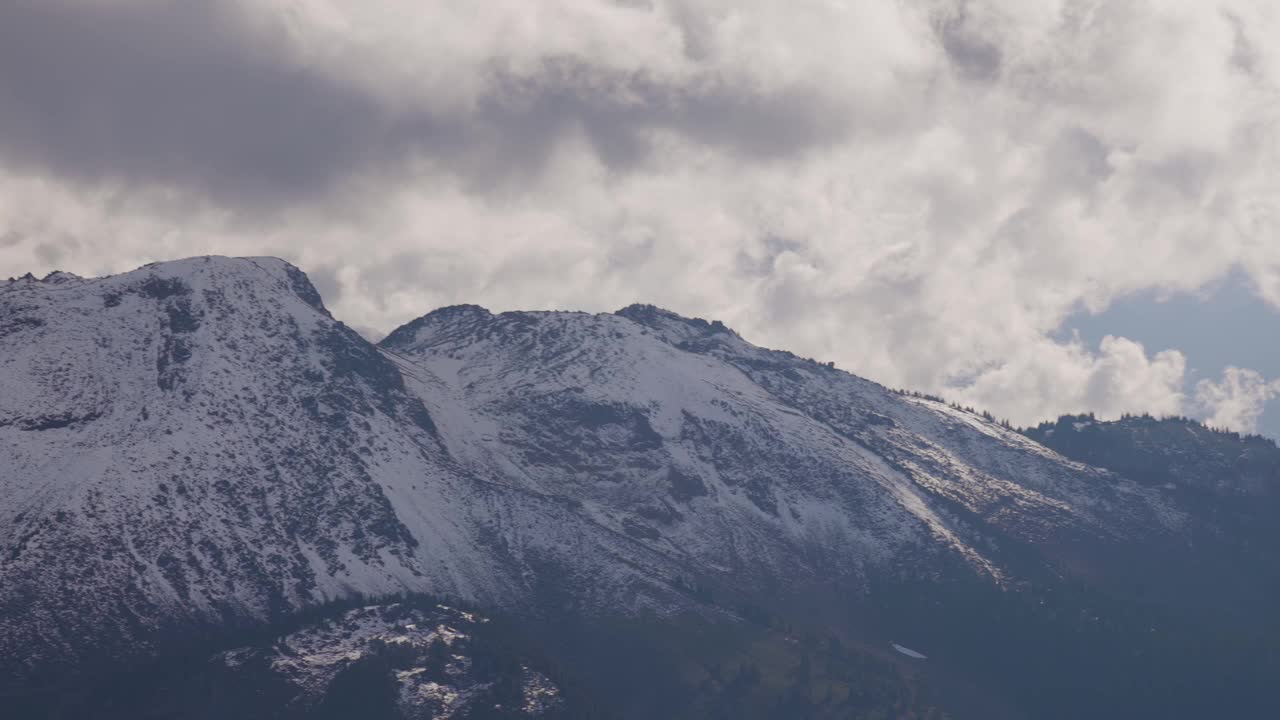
(919, 191)
(1237, 400)
(1049, 378)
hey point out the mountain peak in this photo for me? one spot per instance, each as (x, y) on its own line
(673, 327)
(454, 322)
(221, 271)
(461, 310)
(59, 277)
(216, 264)
(174, 277)
(450, 319)
(219, 268)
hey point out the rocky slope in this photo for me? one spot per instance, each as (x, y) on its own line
(746, 462)
(199, 440)
(395, 660)
(195, 440)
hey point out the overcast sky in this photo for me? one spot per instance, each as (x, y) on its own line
(931, 193)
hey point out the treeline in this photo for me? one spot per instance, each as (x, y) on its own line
(985, 415)
(1034, 430)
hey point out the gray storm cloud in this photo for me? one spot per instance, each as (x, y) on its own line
(919, 191)
(198, 95)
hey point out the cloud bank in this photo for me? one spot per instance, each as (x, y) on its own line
(920, 191)
(1237, 400)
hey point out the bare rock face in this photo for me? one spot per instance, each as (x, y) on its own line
(398, 660)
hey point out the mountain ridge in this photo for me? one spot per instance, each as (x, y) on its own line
(200, 442)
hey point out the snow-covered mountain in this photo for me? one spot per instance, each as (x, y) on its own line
(200, 441)
(741, 461)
